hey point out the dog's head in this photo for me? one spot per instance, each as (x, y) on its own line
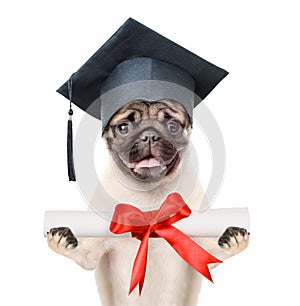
(147, 140)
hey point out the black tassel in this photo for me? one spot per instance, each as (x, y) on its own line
(71, 170)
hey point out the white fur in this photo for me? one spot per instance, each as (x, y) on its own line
(169, 280)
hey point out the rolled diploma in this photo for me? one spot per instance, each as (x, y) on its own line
(211, 223)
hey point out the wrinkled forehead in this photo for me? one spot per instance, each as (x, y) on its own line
(143, 110)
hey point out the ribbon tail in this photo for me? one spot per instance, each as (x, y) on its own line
(188, 249)
(140, 264)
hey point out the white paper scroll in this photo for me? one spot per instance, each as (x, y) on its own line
(211, 223)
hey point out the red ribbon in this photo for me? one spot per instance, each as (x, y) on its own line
(157, 223)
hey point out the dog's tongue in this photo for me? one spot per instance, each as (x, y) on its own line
(148, 163)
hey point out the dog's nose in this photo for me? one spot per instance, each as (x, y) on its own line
(149, 136)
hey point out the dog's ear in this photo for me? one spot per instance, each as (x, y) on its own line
(108, 136)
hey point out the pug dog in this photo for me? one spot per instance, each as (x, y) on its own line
(148, 144)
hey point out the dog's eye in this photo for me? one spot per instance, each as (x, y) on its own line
(123, 128)
(174, 127)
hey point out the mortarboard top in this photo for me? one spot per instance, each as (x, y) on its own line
(136, 53)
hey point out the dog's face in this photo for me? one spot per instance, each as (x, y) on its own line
(147, 140)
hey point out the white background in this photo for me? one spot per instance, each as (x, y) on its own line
(256, 106)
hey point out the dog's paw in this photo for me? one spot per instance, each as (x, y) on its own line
(234, 239)
(62, 240)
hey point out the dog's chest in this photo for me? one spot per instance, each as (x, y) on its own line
(169, 280)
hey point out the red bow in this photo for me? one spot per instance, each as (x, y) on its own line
(157, 223)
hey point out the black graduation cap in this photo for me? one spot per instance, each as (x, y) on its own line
(137, 63)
